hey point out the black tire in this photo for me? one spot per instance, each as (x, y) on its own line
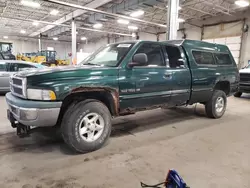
(211, 105)
(71, 124)
(238, 94)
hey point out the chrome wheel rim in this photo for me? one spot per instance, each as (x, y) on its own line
(219, 105)
(91, 127)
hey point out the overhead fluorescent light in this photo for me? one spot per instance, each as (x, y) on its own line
(55, 38)
(242, 3)
(132, 27)
(137, 13)
(180, 20)
(30, 3)
(179, 8)
(50, 48)
(121, 21)
(133, 35)
(35, 23)
(54, 12)
(83, 38)
(5, 37)
(23, 31)
(104, 19)
(97, 26)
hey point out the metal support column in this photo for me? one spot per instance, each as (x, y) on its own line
(157, 37)
(73, 31)
(172, 19)
(108, 39)
(137, 36)
(39, 43)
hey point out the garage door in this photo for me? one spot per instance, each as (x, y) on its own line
(233, 44)
(228, 34)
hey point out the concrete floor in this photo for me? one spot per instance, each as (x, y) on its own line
(206, 152)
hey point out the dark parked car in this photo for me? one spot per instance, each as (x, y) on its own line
(121, 79)
(244, 81)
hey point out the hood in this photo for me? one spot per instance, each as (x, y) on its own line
(75, 71)
(245, 71)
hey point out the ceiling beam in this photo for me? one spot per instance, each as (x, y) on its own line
(105, 13)
(70, 16)
(219, 8)
(199, 10)
(69, 26)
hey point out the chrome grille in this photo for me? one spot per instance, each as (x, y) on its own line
(244, 77)
(17, 81)
(18, 86)
(17, 90)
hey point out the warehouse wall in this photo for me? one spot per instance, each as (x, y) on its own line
(31, 45)
(192, 32)
(92, 46)
(245, 55)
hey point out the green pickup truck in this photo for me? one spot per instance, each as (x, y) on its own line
(121, 79)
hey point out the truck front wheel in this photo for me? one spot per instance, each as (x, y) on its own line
(86, 126)
(216, 106)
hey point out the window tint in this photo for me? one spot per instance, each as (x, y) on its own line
(15, 67)
(223, 59)
(174, 57)
(3, 66)
(203, 58)
(154, 54)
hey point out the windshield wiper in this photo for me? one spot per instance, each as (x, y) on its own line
(91, 64)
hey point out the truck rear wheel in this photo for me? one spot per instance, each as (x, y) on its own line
(216, 106)
(238, 94)
(86, 126)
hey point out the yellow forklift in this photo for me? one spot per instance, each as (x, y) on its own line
(44, 57)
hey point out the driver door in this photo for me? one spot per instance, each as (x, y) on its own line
(146, 86)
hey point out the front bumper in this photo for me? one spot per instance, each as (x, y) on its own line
(234, 88)
(32, 113)
(244, 87)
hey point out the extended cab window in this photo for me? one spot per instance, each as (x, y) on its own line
(153, 52)
(223, 59)
(203, 58)
(174, 57)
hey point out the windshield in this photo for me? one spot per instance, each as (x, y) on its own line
(109, 55)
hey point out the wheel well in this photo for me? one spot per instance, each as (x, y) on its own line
(223, 86)
(104, 96)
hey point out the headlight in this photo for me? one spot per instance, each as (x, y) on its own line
(40, 94)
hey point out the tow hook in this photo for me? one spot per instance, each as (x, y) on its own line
(22, 130)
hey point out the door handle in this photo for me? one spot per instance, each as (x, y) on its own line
(168, 76)
(180, 83)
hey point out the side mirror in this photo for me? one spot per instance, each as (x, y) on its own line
(140, 59)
